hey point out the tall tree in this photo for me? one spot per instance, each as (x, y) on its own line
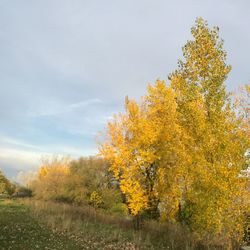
(216, 141)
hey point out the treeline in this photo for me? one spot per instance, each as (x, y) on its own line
(85, 181)
(10, 189)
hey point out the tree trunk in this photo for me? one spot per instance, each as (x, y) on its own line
(137, 222)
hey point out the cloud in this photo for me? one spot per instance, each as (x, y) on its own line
(66, 66)
(22, 157)
(54, 108)
(25, 177)
(15, 142)
(14, 159)
(84, 103)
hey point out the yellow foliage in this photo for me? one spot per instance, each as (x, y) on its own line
(214, 194)
(147, 134)
(95, 199)
(181, 149)
(51, 174)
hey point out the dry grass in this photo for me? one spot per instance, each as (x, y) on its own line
(101, 231)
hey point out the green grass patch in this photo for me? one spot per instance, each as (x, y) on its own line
(18, 230)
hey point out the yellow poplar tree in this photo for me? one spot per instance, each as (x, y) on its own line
(213, 201)
(137, 144)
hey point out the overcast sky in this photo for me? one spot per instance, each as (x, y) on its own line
(66, 66)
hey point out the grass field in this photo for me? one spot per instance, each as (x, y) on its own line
(30, 224)
(21, 228)
(18, 230)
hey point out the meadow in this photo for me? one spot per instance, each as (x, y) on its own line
(20, 231)
(31, 224)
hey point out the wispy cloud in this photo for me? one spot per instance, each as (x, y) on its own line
(54, 109)
(84, 103)
(26, 151)
(15, 142)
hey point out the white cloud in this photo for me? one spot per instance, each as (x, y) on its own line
(53, 108)
(18, 155)
(84, 103)
(25, 177)
(15, 142)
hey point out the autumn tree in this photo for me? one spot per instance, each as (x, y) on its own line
(51, 176)
(6, 187)
(181, 148)
(243, 107)
(85, 181)
(143, 150)
(216, 138)
(89, 182)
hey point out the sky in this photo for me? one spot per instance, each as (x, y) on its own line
(66, 66)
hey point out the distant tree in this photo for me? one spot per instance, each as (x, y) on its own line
(85, 181)
(51, 178)
(90, 179)
(6, 187)
(21, 192)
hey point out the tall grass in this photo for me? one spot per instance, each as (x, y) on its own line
(87, 224)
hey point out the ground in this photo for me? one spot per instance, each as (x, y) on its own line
(23, 228)
(20, 231)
